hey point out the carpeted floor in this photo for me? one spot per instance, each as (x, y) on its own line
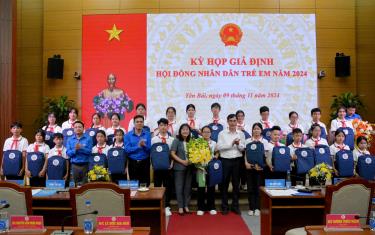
(207, 225)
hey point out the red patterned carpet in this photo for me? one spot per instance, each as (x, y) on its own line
(207, 225)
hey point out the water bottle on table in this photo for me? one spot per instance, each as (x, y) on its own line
(288, 182)
(88, 223)
(72, 184)
(4, 220)
(372, 221)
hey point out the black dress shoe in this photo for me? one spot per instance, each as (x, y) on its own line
(224, 212)
(236, 211)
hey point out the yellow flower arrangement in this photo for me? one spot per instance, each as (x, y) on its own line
(321, 172)
(98, 173)
(198, 152)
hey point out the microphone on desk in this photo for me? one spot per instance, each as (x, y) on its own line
(360, 217)
(68, 232)
(4, 205)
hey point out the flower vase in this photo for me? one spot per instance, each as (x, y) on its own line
(322, 188)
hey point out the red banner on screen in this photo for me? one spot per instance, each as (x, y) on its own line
(113, 44)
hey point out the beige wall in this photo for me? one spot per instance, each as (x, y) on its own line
(61, 30)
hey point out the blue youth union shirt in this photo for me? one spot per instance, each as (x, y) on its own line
(132, 147)
(81, 155)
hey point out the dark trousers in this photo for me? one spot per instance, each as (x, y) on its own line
(117, 177)
(204, 195)
(231, 173)
(243, 173)
(164, 178)
(139, 170)
(182, 180)
(38, 181)
(277, 175)
(254, 181)
(14, 177)
(80, 172)
(297, 177)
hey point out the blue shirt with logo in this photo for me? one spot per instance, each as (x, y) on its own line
(81, 155)
(132, 147)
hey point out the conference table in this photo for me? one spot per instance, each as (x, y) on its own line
(281, 213)
(79, 231)
(319, 230)
(146, 209)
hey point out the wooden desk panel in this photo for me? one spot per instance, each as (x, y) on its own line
(319, 230)
(79, 231)
(281, 213)
(146, 209)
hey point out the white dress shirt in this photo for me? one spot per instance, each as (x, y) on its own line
(312, 142)
(68, 124)
(336, 124)
(159, 139)
(55, 152)
(225, 144)
(19, 144)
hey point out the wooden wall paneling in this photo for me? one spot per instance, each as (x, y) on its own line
(222, 4)
(336, 4)
(29, 63)
(259, 4)
(8, 24)
(365, 36)
(179, 3)
(132, 4)
(297, 3)
(257, 10)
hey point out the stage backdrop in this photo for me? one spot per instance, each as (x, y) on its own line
(242, 61)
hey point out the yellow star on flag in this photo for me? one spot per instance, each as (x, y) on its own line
(114, 33)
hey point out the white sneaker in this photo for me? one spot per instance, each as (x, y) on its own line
(250, 212)
(213, 212)
(168, 211)
(200, 213)
(244, 187)
(257, 212)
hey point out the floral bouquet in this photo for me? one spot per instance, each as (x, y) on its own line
(108, 106)
(362, 128)
(199, 154)
(321, 173)
(98, 173)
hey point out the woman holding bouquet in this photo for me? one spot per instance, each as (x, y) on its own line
(182, 170)
(210, 194)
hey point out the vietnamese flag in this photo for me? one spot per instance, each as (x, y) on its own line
(113, 44)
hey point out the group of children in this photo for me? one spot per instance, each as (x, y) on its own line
(48, 158)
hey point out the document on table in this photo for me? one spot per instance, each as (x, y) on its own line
(43, 192)
(35, 191)
(133, 193)
(281, 192)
